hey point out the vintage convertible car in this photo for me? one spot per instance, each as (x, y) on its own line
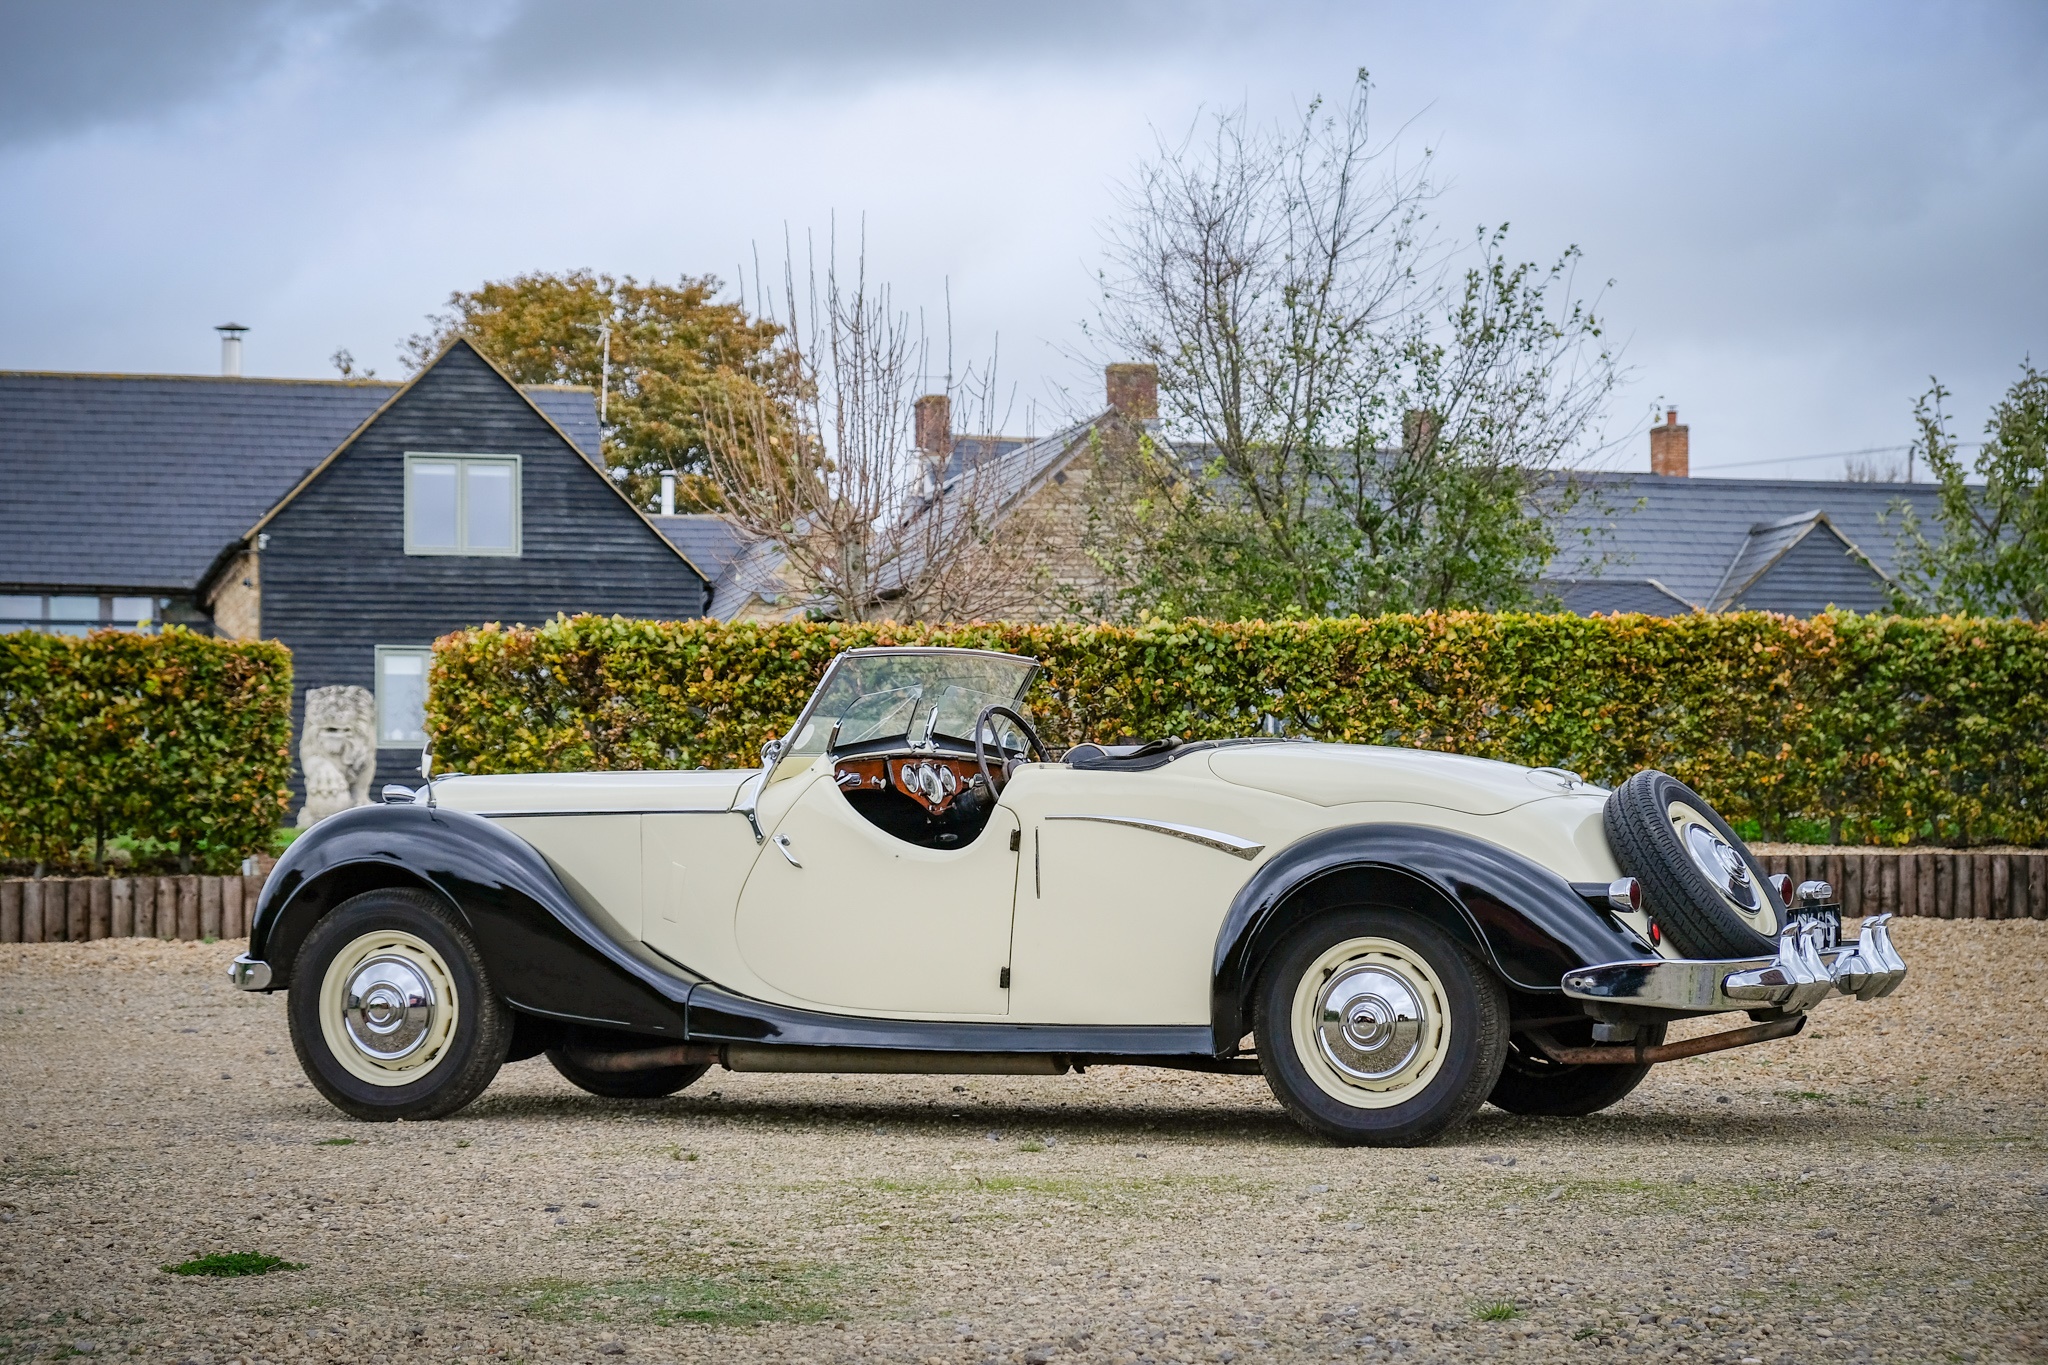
(911, 882)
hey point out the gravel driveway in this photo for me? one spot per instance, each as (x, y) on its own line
(1875, 1189)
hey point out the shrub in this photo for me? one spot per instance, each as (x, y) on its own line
(174, 739)
(1875, 729)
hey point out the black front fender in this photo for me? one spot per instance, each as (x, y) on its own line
(544, 951)
(1522, 918)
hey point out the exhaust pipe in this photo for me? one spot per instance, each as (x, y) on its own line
(1627, 1054)
(866, 1061)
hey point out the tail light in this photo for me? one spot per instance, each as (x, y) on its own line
(1625, 893)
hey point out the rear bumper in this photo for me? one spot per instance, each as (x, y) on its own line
(1800, 976)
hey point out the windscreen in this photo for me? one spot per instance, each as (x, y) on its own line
(889, 696)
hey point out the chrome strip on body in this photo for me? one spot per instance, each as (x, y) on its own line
(1209, 838)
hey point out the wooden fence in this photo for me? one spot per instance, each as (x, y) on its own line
(74, 909)
(1937, 883)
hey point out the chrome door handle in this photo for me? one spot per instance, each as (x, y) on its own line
(781, 841)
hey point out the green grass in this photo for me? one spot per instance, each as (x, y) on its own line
(231, 1264)
(1030, 1145)
(1585, 1332)
(1500, 1310)
(336, 1142)
(738, 1298)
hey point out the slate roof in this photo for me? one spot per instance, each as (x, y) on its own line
(139, 481)
(1704, 541)
(706, 539)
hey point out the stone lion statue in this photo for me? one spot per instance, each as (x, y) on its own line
(337, 751)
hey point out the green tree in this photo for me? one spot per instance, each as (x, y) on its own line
(1990, 557)
(1351, 423)
(679, 357)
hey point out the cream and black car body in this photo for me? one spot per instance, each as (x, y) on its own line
(911, 882)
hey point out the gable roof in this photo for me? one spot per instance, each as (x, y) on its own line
(1768, 543)
(138, 481)
(1705, 540)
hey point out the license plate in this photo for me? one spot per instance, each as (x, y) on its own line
(1829, 918)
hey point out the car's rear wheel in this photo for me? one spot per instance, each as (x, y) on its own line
(1376, 1028)
(392, 1013)
(650, 1083)
(1702, 885)
(1530, 1083)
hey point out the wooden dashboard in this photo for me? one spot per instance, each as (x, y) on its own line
(933, 781)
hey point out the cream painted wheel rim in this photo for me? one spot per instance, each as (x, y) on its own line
(1724, 867)
(388, 1008)
(1371, 1023)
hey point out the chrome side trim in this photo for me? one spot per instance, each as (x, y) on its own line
(1799, 976)
(1208, 838)
(247, 973)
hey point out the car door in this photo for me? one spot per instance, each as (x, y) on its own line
(841, 914)
(1125, 882)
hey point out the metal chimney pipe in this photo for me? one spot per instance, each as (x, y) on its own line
(231, 348)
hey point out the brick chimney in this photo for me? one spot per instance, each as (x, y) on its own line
(1671, 447)
(935, 425)
(1133, 390)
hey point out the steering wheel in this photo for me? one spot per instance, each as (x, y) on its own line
(981, 727)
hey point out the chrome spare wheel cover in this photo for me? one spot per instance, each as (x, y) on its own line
(1724, 868)
(388, 1008)
(1371, 1022)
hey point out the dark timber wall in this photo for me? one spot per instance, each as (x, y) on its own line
(337, 581)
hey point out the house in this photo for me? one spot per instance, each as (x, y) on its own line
(1042, 482)
(355, 522)
(1665, 543)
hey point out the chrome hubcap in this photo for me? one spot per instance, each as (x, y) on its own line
(388, 1008)
(1723, 866)
(1370, 1022)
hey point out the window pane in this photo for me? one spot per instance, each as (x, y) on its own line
(492, 506)
(432, 505)
(74, 608)
(20, 609)
(134, 611)
(401, 697)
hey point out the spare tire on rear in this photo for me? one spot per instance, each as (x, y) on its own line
(1701, 884)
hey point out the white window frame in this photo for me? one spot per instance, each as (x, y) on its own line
(426, 656)
(462, 463)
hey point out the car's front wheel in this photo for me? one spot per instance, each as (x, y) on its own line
(392, 1012)
(1376, 1028)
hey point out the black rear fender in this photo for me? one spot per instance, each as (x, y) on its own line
(546, 954)
(1521, 919)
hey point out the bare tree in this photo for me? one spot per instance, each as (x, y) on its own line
(870, 526)
(1352, 423)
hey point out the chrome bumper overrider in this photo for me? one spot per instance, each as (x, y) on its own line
(1801, 975)
(249, 973)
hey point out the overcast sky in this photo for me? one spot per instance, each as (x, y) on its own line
(1806, 209)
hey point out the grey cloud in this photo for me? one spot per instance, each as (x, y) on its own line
(79, 63)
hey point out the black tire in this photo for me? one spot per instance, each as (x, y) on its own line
(1463, 1029)
(1665, 836)
(1530, 1083)
(652, 1084)
(462, 1038)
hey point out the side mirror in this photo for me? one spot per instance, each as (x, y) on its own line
(427, 764)
(771, 752)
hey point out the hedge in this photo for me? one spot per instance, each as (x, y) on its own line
(175, 739)
(1843, 728)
